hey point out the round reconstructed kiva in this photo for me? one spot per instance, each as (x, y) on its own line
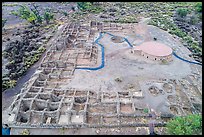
(155, 49)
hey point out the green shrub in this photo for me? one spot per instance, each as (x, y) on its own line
(96, 9)
(25, 13)
(193, 20)
(25, 132)
(88, 6)
(188, 39)
(164, 62)
(14, 13)
(146, 110)
(8, 84)
(200, 16)
(196, 47)
(41, 49)
(65, 13)
(32, 15)
(178, 33)
(84, 5)
(198, 6)
(182, 12)
(37, 14)
(188, 125)
(48, 16)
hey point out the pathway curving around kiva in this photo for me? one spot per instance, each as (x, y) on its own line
(103, 53)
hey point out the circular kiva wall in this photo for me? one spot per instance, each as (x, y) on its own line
(154, 51)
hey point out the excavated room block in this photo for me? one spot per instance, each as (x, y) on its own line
(64, 120)
(11, 118)
(77, 119)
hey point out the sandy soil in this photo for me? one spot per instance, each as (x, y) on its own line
(91, 131)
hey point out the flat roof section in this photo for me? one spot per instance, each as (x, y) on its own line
(154, 48)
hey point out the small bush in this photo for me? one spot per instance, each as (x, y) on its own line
(25, 13)
(188, 125)
(193, 20)
(88, 6)
(152, 22)
(198, 6)
(178, 33)
(8, 84)
(200, 16)
(32, 15)
(146, 110)
(25, 132)
(182, 12)
(37, 14)
(188, 39)
(48, 16)
(195, 46)
(84, 5)
(41, 49)
(65, 13)
(164, 61)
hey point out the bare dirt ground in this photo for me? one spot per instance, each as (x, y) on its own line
(91, 131)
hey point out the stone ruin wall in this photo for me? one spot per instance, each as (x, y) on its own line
(43, 102)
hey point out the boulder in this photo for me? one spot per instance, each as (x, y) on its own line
(112, 14)
(43, 37)
(104, 16)
(17, 33)
(122, 12)
(112, 10)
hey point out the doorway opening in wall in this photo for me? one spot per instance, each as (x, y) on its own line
(155, 58)
(147, 56)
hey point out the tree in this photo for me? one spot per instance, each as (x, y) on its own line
(32, 15)
(193, 20)
(187, 125)
(48, 16)
(182, 12)
(198, 6)
(25, 13)
(36, 12)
